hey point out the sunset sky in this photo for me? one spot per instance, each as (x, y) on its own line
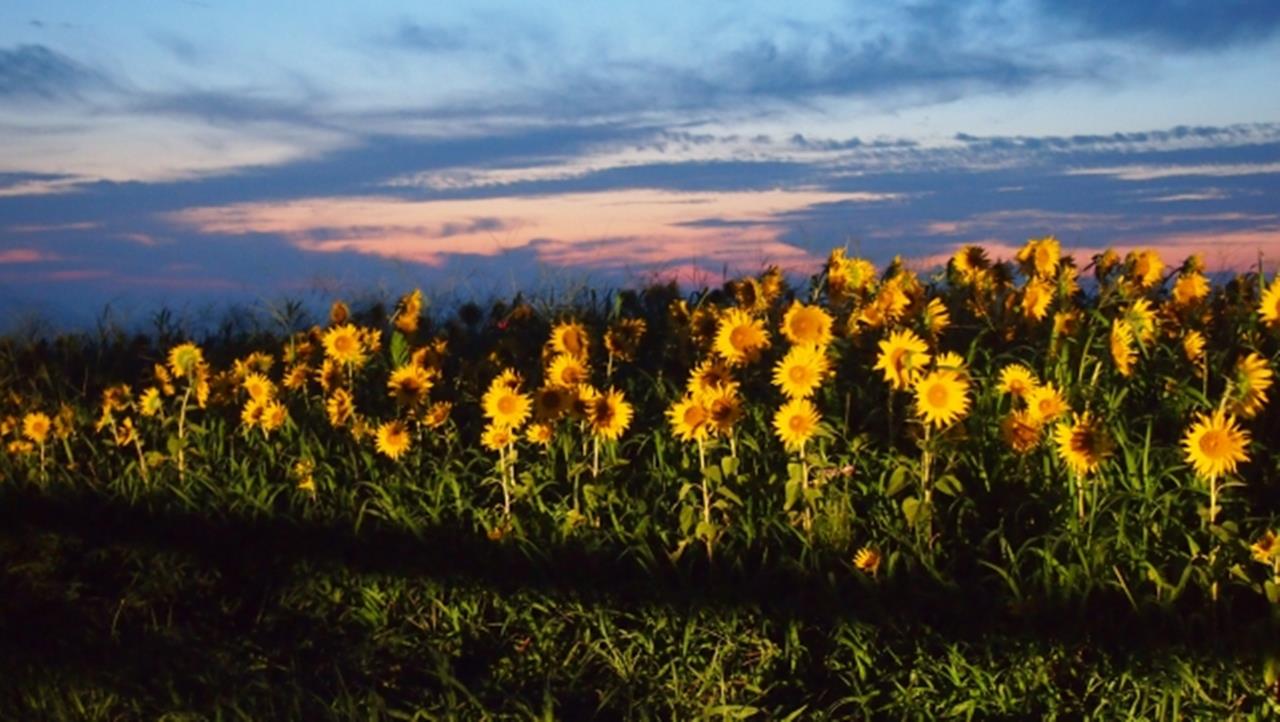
(191, 153)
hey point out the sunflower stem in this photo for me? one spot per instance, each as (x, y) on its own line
(595, 456)
(804, 486)
(182, 433)
(1213, 500)
(506, 492)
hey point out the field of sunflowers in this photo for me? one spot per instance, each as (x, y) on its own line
(1040, 487)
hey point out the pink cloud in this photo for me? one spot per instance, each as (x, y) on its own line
(25, 255)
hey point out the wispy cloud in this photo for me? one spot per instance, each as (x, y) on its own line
(1171, 25)
(34, 72)
(1155, 172)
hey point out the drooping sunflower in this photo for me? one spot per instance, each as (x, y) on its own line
(1145, 267)
(151, 402)
(622, 340)
(740, 338)
(1040, 257)
(689, 419)
(339, 312)
(1036, 298)
(409, 386)
(807, 325)
(1045, 404)
(343, 345)
(567, 371)
(942, 398)
(1018, 380)
(35, 426)
(1020, 431)
(970, 263)
(184, 359)
(570, 337)
(1266, 549)
(610, 415)
(437, 414)
(1249, 388)
(1213, 445)
(340, 407)
(393, 439)
(902, 357)
(936, 317)
(1142, 319)
(801, 371)
(796, 422)
(1269, 305)
(258, 387)
(1193, 346)
(296, 376)
(867, 560)
(1122, 352)
(409, 312)
(1082, 443)
(504, 405)
(1190, 289)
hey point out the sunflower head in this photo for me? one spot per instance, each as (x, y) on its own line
(1045, 404)
(35, 426)
(1144, 268)
(567, 371)
(1190, 289)
(690, 420)
(1266, 550)
(1213, 445)
(1018, 380)
(1122, 352)
(184, 359)
(867, 561)
(801, 371)
(808, 325)
(622, 340)
(1082, 443)
(796, 422)
(552, 402)
(258, 387)
(942, 398)
(1248, 390)
(1040, 257)
(710, 375)
(343, 344)
(496, 437)
(1269, 305)
(610, 415)
(740, 338)
(1193, 346)
(504, 405)
(1020, 431)
(1036, 297)
(902, 357)
(570, 337)
(339, 312)
(437, 414)
(409, 386)
(340, 407)
(409, 312)
(724, 408)
(392, 439)
(539, 434)
(936, 317)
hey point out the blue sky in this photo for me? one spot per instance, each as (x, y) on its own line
(192, 153)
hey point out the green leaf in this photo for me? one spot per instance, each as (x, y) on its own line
(1273, 592)
(399, 350)
(897, 481)
(949, 485)
(911, 509)
(729, 465)
(792, 493)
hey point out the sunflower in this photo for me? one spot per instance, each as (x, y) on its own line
(1214, 444)
(392, 439)
(256, 362)
(409, 385)
(1193, 346)
(570, 337)
(274, 415)
(867, 560)
(610, 415)
(749, 294)
(954, 363)
(584, 397)
(1036, 298)
(117, 398)
(1020, 431)
(772, 284)
(970, 263)
(710, 375)
(801, 371)
(1269, 306)
(258, 387)
(339, 312)
(1122, 347)
(539, 434)
(1145, 267)
(551, 402)
(1142, 319)
(409, 312)
(1190, 289)
(936, 317)
(1066, 323)
(1045, 404)
(184, 359)
(1082, 443)
(1018, 380)
(329, 375)
(808, 325)
(902, 356)
(622, 340)
(125, 434)
(504, 405)
(796, 422)
(253, 412)
(343, 345)
(1249, 389)
(1040, 256)
(689, 419)
(295, 377)
(942, 398)
(35, 426)
(151, 402)
(437, 414)
(163, 379)
(566, 371)
(496, 437)
(740, 338)
(340, 407)
(724, 408)
(1266, 550)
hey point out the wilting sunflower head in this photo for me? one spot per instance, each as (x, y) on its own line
(796, 422)
(1213, 445)
(740, 338)
(622, 340)
(1020, 431)
(801, 371)
(902, 358)
(1082, 443)
(1248, 390)
(936, 317)
(942, 398)
(807, 325)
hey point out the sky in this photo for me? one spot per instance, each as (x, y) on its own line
(193, 154)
